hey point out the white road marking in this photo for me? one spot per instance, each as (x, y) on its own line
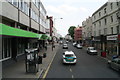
(70, 70)
(72, 76)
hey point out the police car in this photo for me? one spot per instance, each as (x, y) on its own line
(69, 57)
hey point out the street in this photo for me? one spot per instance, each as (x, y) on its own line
(87, 66)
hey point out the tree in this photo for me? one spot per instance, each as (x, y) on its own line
(71, 31)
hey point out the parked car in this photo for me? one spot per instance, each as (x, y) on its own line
(61, 42)
(65, 46)
(74, 44)
(114, 64)
(91, 50)
(69, 57)
(67, 41)
(79, 46)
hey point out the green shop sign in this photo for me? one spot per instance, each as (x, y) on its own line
(10, 31)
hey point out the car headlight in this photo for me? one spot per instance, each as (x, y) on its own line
(109, 61)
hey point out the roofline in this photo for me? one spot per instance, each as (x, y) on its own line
(100, 8)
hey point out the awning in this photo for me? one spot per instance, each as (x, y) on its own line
(43, 37)
(10, 31)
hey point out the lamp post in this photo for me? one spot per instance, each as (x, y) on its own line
(52, 33)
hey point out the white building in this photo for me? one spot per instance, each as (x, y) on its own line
(106, 25)
(87, 30)
(23, 23)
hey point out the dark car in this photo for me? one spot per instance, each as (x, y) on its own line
(114, 64)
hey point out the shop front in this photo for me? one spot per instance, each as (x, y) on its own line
(15, 41)
(118, 44)
(96, 42)
(112, 45)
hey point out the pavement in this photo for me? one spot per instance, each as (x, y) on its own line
(18, 70)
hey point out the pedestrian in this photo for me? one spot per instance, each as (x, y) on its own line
(52, 46)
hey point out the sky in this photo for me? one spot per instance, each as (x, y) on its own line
(73, 12)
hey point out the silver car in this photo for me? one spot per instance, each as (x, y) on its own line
(115, 64)
(79, 46)
(65, 46)
(91, 50)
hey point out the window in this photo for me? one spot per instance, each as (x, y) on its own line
(117, 29)
(26, 8)
(36, 2)
(6, 48)
(14, 2)
(94, 26)
(94, 17)
(99, 32)
(111, 18)
(111, 30)
(105, 31)
(111, 6)
(117, 3)
(105, 11)
(99, 23)
(99, 14)
(34, 16)
(105, 21)
(23, 6)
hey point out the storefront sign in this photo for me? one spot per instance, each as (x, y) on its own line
(119, 38)
(113, 37)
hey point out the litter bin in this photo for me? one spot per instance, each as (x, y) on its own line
(103, 54)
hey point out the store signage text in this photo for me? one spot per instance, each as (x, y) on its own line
(113, 37)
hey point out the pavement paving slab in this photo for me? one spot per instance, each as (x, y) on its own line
(17, 70)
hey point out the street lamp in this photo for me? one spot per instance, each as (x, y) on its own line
(54, 35)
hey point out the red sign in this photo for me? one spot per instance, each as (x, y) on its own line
(118, 37)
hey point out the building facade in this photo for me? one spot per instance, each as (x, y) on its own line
(106, 28)
(78, 34)
(23, 26)
(87, 31)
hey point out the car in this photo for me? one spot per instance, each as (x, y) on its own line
(65, 46)
(60, 42)
(91, 50)
(79, 46)
(114, 64)
(67, 41)
(69, 57)
(74, 44)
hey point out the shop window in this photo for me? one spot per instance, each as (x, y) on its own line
(117, 29)
(21, 46)
(6, 48)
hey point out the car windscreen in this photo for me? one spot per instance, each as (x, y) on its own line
(69, 55)
(92, 48)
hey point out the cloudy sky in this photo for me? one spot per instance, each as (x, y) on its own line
(73, 12)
